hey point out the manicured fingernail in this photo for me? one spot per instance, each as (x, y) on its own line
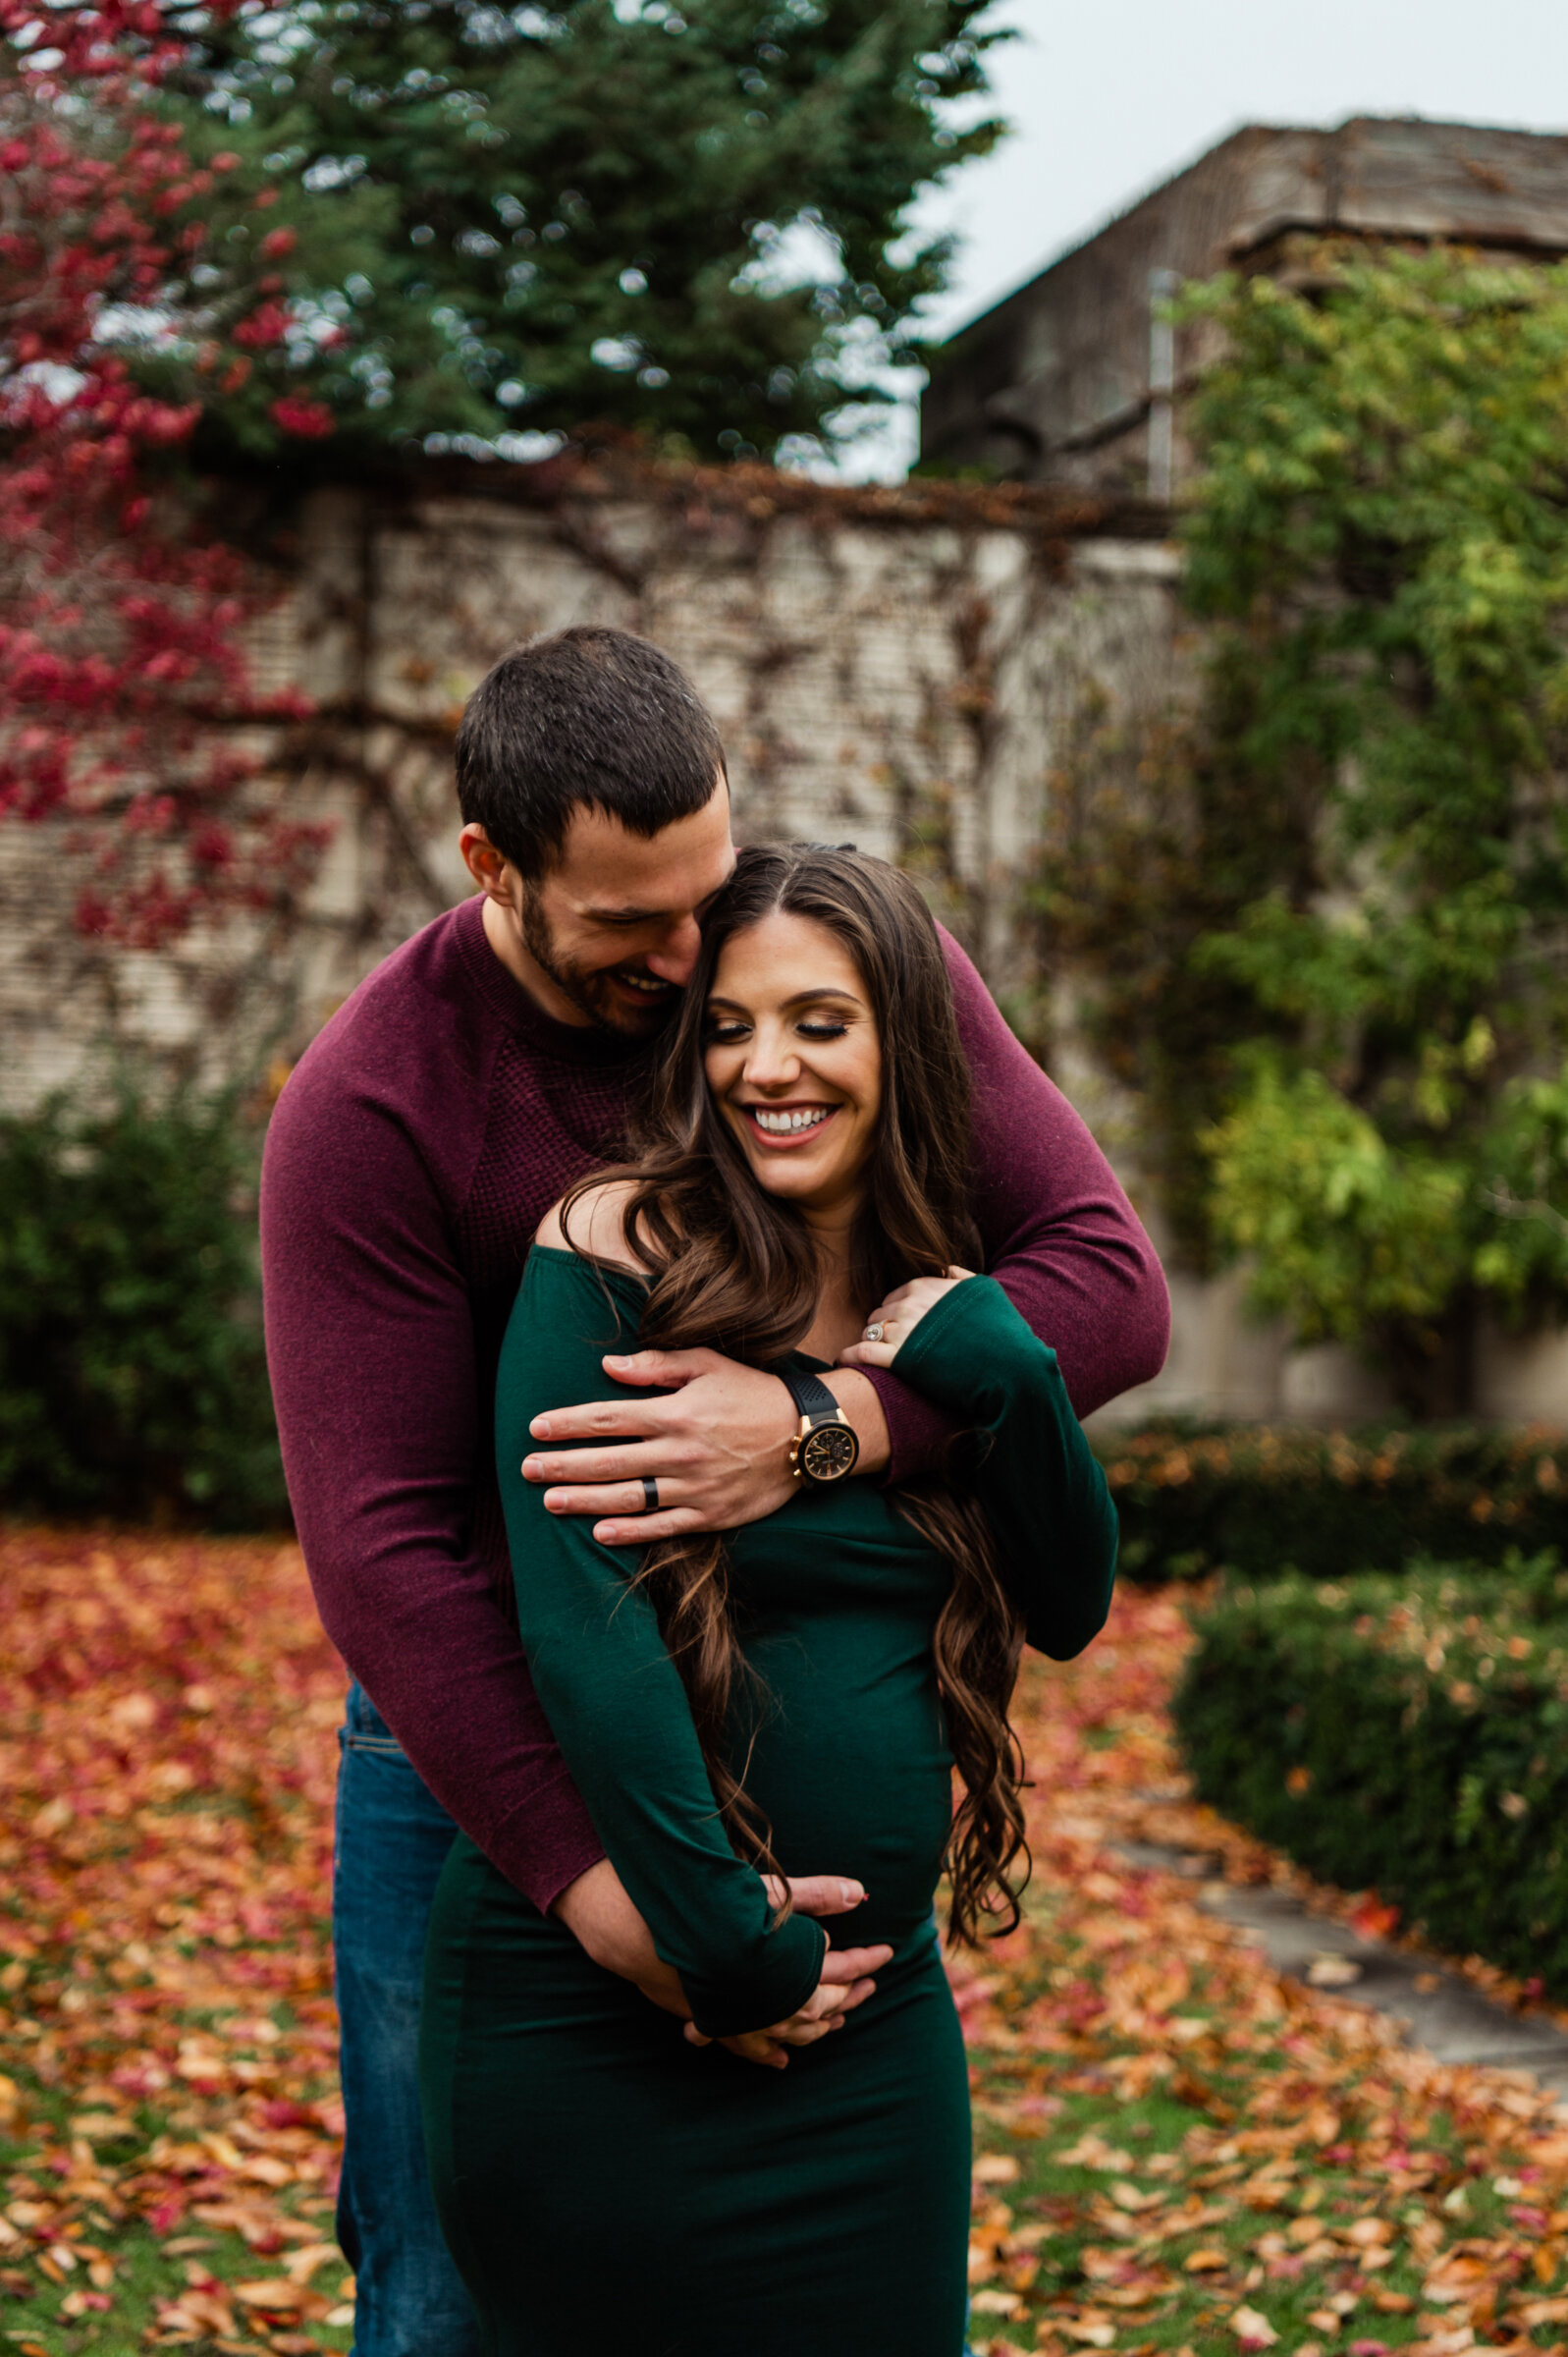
(850, 1893)
(616, 1360)
(540, 1428)
(530, 1468)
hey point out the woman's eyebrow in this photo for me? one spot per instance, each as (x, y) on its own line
(800, 998)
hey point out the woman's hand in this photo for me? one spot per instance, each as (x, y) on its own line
(823, 2010)
(600, 1916)
(898, 1316)
(844, 1984)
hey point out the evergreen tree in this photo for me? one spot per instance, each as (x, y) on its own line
(686, 223)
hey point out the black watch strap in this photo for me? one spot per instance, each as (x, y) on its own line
(811, 1394)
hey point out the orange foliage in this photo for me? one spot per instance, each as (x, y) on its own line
(167, 1764)
(167, 1761)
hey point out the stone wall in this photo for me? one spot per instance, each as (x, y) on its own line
(897, 669)
(885, 667)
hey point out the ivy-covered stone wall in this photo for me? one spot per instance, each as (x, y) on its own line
(905, 668)
(886, 666)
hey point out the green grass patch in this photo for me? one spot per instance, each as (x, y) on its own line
(82, 2268)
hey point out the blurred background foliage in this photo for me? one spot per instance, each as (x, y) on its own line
(133, 1379)
(1349, 1018)
(687, 222)
(1254, 1498)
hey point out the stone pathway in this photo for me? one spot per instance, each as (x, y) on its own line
(1444, 2016)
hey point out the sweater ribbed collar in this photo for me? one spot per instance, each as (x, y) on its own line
(504, 993)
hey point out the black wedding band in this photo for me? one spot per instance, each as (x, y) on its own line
(650, 1495)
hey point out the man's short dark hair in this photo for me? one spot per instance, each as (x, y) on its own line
(583, 719)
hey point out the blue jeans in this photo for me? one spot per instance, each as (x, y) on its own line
(392, 1840)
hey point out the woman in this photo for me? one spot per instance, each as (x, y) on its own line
(735, 1711)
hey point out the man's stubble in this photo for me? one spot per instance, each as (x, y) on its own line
(590, 992)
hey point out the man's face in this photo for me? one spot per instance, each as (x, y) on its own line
(608, 935)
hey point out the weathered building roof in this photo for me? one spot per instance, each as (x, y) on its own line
(1053, 384)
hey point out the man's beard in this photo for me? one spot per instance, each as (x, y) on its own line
(593, 994)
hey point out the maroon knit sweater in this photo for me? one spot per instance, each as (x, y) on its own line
(415, 1149)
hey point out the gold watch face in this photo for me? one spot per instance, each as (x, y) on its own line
(829, 1453)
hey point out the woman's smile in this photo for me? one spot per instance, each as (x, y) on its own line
(790, 1125)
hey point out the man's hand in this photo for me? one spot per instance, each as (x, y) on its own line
(718, 1446)
(600, 1916)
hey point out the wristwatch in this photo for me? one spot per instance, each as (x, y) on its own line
(826, 1448)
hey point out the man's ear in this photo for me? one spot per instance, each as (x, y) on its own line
(490, 869)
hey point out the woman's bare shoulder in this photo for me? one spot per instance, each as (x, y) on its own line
(598, 1226)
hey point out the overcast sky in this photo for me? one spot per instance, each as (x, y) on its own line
(1109, 97)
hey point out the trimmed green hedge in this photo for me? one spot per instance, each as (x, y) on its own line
(1260, 1499)
(133, 1379)
(1405, 1734)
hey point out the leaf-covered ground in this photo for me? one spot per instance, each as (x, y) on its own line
(1176, 2151)
(168, 2118)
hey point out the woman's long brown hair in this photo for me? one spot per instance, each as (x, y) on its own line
(735, 1269)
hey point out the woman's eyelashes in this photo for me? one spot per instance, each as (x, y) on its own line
(725, 1032)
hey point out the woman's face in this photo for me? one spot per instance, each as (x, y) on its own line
(793, 1060)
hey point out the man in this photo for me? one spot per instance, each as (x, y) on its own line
(447, 1105)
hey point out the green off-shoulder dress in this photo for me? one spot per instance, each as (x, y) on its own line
(605, 2187)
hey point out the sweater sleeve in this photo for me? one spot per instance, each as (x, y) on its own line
(370, 1351)
(1043, 1489)
(611, 1691)
(1059, 1235)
